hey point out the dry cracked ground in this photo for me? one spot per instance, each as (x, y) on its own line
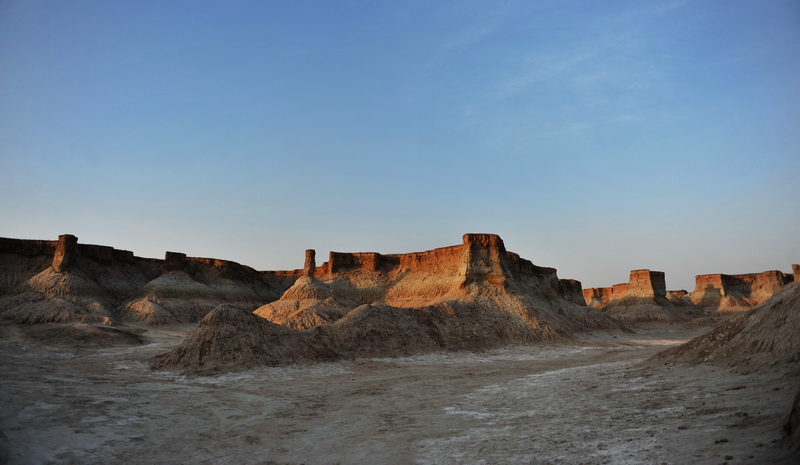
(590, 402)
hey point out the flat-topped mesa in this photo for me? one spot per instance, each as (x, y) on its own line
(597, 297)
(66, 252)
(310, 265)
(647, 284)
(739, 290)
(571, 290)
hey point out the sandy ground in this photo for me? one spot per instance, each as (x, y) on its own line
(578, 403)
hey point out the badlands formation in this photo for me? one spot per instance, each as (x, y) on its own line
(366, 331)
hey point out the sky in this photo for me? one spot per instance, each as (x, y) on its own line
(593, 137)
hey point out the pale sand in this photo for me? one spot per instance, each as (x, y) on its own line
(575, 403)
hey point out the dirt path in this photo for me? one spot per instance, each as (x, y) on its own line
(586, 403)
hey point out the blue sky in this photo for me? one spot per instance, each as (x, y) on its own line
(594, 137)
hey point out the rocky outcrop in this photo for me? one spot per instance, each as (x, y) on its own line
(722, 292)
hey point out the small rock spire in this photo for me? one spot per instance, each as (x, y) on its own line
(310, 265)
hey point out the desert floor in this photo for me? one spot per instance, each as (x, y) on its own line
(588, 402)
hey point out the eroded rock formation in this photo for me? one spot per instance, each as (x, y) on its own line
(473, 295)
(723, 292)
(766, 335)
(643, 299)
(66, 281)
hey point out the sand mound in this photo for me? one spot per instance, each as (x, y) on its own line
(767, 335)
(231, 338)
(52, 297)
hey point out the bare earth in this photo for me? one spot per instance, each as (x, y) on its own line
(590, 403)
